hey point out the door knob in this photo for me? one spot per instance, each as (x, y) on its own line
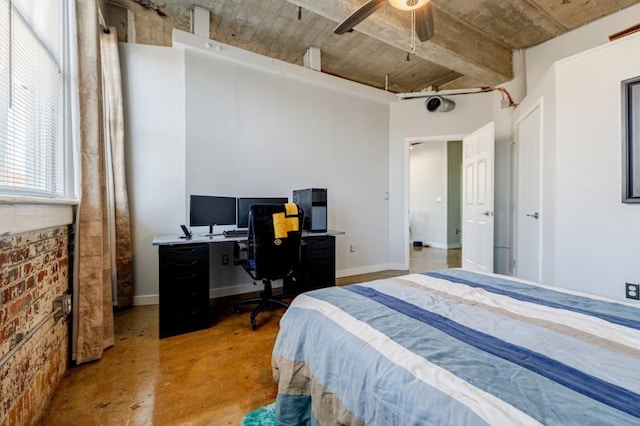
(487, 213)
(534, 215)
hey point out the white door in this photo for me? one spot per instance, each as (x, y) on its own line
(528, 215)
(477, 199)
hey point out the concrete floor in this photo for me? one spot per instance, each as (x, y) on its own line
(209, 377)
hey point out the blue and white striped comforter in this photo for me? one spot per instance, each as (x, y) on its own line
(457, 348)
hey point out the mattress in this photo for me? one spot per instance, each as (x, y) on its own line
(454, 347)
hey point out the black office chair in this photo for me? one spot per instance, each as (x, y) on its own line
(273, 251)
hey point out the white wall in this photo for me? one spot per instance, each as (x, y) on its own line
(590, 239)
(597, 236)
(153, 87)
(411, 121)
(250, 132)
(245, 108)
(541, 57)
(199, 122)
(428, 184)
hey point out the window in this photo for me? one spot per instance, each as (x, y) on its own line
(32, 148)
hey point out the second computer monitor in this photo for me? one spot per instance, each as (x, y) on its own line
(206, 210)
(244, 203)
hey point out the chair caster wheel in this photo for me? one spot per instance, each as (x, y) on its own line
(253, 324)
(237, 310)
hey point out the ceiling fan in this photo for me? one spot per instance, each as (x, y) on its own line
(421, 10)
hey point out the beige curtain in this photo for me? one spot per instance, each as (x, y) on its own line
(116, 178)
(94, 328)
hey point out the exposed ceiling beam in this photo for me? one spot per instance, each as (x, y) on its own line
(456, 45)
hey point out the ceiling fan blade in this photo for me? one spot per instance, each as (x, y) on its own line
(424, 23)
(359, 15)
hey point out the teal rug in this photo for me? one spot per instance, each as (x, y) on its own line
(264, 416)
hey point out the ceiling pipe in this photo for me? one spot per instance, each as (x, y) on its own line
(507, 99)
(430, 93)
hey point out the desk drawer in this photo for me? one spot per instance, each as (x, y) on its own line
(184, 272)
(321, 266)
(184, 255)
(318, 266)
(183, 303)
(197, 285)
(320, 247)
(183, 288)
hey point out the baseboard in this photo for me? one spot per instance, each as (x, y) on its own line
(436, 245)
(148, 299)
(369, 269)
(215, 293)
(444, 246)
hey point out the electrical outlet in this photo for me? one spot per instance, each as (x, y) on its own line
(632, 291)
(225, 259)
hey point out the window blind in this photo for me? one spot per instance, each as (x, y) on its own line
(31, 97)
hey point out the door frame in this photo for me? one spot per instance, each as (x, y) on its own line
(538, 104)
(406, 186)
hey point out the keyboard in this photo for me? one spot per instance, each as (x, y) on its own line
(236, 233)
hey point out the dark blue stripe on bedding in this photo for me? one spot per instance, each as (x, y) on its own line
(532, 299)
(599, 390)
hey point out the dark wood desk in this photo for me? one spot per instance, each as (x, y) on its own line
(184, 276)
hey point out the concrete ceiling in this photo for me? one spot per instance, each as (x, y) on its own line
(472, 45)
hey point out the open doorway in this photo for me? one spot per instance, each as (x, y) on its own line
(477, 204)
(435, 203)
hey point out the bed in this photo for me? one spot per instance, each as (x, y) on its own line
(453, 347)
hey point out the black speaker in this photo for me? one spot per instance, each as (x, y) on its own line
(314, 203)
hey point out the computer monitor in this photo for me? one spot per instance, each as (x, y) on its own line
(244, 203)
(207, 210)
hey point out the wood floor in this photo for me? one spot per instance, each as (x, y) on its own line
(210, 377)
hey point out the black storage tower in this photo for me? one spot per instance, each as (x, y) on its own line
(184, 288)
(314, 203)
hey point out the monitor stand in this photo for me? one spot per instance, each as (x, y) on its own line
(211, 234)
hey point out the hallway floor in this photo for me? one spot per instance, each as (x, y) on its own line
(209, 377)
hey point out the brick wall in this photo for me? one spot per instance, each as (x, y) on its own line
(34, 271)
